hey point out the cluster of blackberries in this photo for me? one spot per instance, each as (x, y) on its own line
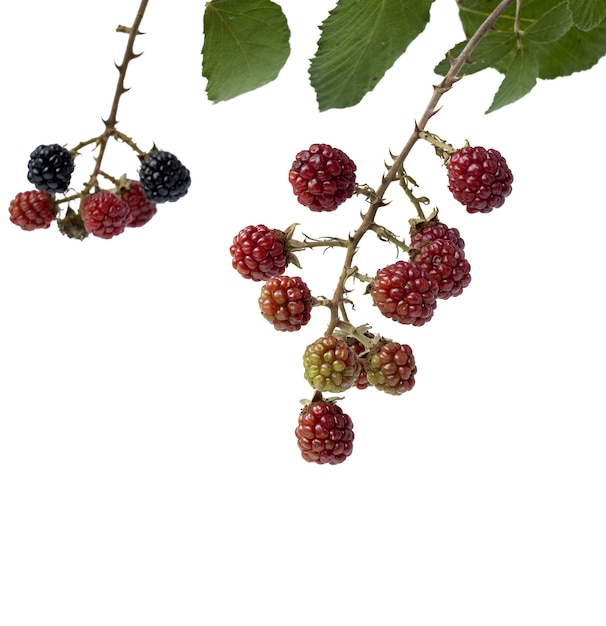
(407, 291)
(102, 213)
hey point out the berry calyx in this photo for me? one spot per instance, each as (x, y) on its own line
(32, 210)
(104, 214)
(140, 209)
(50, 168)
(324, 433)
(163, 177)
(445, 262)
(259, 252)
(361, 381)
(479, 178)
(322, 177)
(330, 364)
(404, 293)
(286, 302)
(391, 368)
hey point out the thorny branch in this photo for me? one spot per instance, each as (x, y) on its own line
(394, 172)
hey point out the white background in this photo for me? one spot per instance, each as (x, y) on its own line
(149, 472)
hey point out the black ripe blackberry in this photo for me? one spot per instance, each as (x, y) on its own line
(50, 168)
(163, 177)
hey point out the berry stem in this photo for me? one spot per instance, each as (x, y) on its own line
(112, 120)
(376, 200)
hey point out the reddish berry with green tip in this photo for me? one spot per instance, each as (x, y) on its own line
(259, 253)
(330, 364)
(391, 368)
(445, 262)
(31, 210)
(404, 293)
(479, 178)
(324, 433)
(286, 302)
(104, 214)
(322, 177)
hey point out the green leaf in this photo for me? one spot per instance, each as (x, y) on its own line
(494, 48)
(521, 77)
(587, 14)
(576, 51)
(359, 42)
(551, 26)
(245, 46)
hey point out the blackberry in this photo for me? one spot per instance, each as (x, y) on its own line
(259, 252)
(478, 178)
(430, 231)
(32, 210)
(405, 293)
(322, 177)
(50, 168)
(286, 302)
(330, 364)
(163, 177)
(445, 262)
(391, 368)
(324, 434)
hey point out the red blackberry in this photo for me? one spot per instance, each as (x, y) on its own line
(259, 252)
(430, 231)
(163, 177)
(445, 262)
(324, 433)
(104, 214)
(50, 168)
(286, 302)
(360, 349)
(479, 178)
(322, 177)
(330, 364)
(391, 368)
(404, 293)
(141, 210)
(32, 210)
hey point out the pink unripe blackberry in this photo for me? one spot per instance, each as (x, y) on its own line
(32, 210)
(322, 177)
(479, 178)
(259, 252)
(324, 433)
(405, 293)
(286, 302)
(104, 214)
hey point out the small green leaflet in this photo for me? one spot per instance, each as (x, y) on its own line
(246, 44)
(360, 41)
